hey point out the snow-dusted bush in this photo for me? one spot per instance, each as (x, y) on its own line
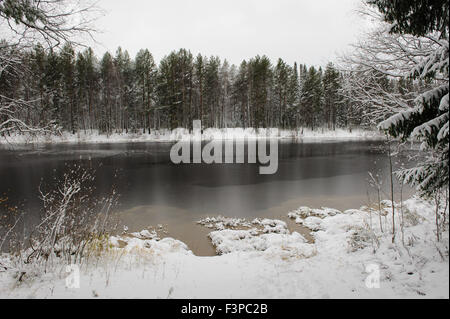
(361, 238)
(73, 219)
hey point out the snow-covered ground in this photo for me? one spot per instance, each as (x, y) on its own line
(262, 259)
(183, 134)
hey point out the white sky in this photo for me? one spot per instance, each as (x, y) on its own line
(305, 31)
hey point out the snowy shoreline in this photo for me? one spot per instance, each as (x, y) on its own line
(262, 259)
(181, 134)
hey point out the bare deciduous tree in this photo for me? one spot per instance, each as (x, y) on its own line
(25, 23)
(378, 72)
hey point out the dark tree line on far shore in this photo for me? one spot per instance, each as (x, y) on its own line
(78, 91)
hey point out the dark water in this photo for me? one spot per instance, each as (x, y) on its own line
(155, 191)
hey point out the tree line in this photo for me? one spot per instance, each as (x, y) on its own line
(78, 91)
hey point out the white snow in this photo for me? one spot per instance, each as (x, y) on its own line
(145, 234)
(181, 134)
(261, 259)
(266, 235)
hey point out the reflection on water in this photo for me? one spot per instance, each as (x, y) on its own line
(155, 191)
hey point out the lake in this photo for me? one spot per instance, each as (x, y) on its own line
(154, 191)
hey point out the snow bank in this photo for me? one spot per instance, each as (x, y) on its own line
(270, 236)
(280, 245)
(311, 217)
(181, 134)
(415, 264)
(151, 246)
(260, 235)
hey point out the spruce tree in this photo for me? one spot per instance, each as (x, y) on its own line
(428, 120)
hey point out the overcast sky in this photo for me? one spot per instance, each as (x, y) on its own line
(305, 31)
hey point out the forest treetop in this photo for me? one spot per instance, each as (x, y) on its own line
(77, 90)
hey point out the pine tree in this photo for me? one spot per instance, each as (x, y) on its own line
(53, 82)
(225, 79)
(311, 100)
(199, 73)
(127, 88)
(212, 91)
(241, 95)
(281, 90)
(92, 83)
(260, 79)
(67, 63)
(38, 70)
(331, 97)
(175, 81)
(186, 69)
(107, 71)
(293, 95)
(145, 71)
